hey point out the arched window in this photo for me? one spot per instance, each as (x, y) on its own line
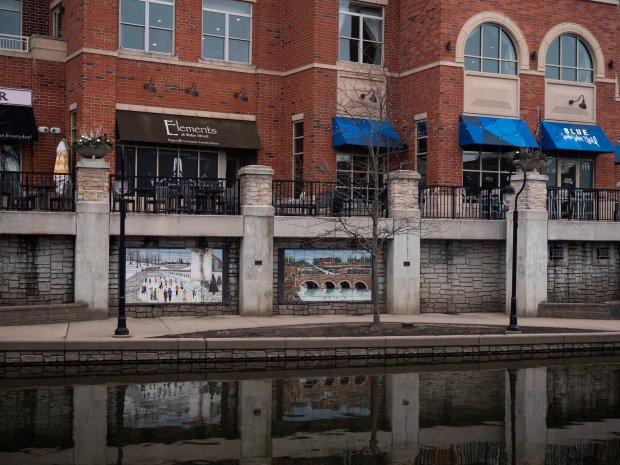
(569, 59)
(489, 49)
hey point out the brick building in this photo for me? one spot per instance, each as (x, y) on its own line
(203, 87)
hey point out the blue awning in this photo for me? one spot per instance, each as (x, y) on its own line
(359, 131)
(570, 136)
(497, 133)
(617, 151)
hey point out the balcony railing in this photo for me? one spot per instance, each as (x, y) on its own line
(323, 198)
(583, 204)
(188, 196)
(25, 191)
(15, 43)
(457, 202)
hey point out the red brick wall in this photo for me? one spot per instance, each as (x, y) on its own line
(35, 17)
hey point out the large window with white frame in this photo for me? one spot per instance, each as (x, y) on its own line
(227, 30)
(361, 33)
(10, 24)
(489, 49)
(488, 170)
(147, 25)
(569, 59)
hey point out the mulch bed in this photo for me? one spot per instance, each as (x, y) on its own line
(366, 330)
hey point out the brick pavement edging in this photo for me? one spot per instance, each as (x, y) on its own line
(155, 350)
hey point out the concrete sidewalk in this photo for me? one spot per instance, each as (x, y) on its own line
(102, 330)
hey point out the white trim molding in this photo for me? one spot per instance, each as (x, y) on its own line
(183, 112)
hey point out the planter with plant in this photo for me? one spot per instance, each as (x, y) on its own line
(530, 159)
(93, 146)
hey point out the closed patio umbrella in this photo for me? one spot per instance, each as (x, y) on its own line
(61, 168)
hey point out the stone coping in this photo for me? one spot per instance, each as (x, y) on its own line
(139, 350)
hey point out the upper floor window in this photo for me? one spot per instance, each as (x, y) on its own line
(569, 59)
(361, 33)
(57, 16)
(489, 49)
(226, 30)
(147, 25)
(421, 148)
(10, 21)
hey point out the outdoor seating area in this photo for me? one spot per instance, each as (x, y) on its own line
(176, 195)
(456, 202)
(583, 204)
(24, 191)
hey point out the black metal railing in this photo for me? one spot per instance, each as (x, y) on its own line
(323, 198)
(189, 196)
(457, 202)
(25, 191)
(583, 204)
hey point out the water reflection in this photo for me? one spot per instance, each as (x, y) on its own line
(556, 415)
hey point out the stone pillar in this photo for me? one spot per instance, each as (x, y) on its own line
(403, 411)
(403, 254)
(90, 426)
(255, 398)
(256, 254)
(532, 246)
(92, 240)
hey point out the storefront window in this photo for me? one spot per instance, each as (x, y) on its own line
(10, 165)
(354, 175)
(486, 169)
(570, 172)
(167, 162)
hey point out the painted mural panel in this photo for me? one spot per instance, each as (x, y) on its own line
(318, 275)
(167, 275)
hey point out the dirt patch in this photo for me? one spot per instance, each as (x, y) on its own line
(366, 330)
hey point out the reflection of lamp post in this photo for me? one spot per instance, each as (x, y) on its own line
(508, 193)
(512, 381)
(120, 187)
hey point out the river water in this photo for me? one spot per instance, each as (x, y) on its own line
(550, 412)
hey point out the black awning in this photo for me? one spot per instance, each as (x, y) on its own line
(17, 124)
(186, 130)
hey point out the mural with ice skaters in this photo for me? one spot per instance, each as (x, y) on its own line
(315, 275)
(166, 275)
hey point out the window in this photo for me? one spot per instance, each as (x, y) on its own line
(73, 121)
(570, 172)
(167, 162)
(298, 156)
(361, 33)
(569, 59)
(10, 158)
(147, 25)
(556, 252)
(57, 14)
(421, 148)
(489, 49)
(226, 30)
(10, 24)
(354, 175)
(486, 169)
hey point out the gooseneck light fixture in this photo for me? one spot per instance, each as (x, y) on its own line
(582, 105)
(372, 97)
(150, 86)
(241, 95)
(509, 191)
(192, 90)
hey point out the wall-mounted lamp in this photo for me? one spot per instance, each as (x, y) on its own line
(610, 65)
(192, 90)
(534, 56)
(582, 105)
(372, 97)
(150, 86)
(241, 95)
(449, 46)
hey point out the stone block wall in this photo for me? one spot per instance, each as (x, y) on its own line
(229, 305)
(578, 276)
(462, 276)
(36, 270)
(320, 308)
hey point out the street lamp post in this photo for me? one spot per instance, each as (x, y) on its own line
(509, 191)
(121, 191)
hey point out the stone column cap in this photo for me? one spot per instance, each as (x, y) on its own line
(530, 177)
(256, 169)
(97, 163)
(404, 174)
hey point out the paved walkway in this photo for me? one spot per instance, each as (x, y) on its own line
(140, 329)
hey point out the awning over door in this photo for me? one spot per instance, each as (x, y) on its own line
(576, 137)
(365, 132)
(476, 132)
(17, 124)
(186, 130)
